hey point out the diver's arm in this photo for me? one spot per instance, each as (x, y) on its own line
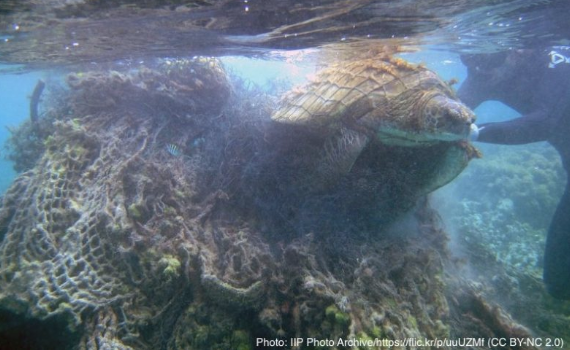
(529, 128)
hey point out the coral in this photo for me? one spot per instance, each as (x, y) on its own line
(530, 177)
(502, 214)
(510, 240)
(131, 247)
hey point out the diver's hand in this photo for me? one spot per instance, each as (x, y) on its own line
(474, 132)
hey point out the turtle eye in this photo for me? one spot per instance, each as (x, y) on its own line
(452, 114)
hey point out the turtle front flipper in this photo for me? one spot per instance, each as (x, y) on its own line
(339, 154)
(453, 158)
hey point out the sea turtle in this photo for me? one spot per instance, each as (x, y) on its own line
(380, 102)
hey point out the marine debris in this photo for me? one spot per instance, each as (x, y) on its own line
(128, 247)
(35, 100)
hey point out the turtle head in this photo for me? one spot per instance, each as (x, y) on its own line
(447, 119)
(429, 118)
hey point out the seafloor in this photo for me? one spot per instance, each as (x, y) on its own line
(148, 214)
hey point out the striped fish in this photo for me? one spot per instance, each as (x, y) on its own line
(173, 149)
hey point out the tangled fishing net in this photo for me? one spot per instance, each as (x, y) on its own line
(153, 218)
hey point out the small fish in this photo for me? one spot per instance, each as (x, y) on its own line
(198, 142)
(173, 149)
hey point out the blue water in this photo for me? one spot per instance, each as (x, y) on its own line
(264, 73)
(15, 90)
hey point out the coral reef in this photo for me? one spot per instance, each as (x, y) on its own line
(133, 247)
(529, 178)
(501, 216)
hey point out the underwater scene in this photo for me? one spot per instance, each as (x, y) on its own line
(248, 174)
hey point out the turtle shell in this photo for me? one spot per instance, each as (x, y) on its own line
(328, 99)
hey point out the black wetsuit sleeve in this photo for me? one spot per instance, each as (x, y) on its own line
(533, 127)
